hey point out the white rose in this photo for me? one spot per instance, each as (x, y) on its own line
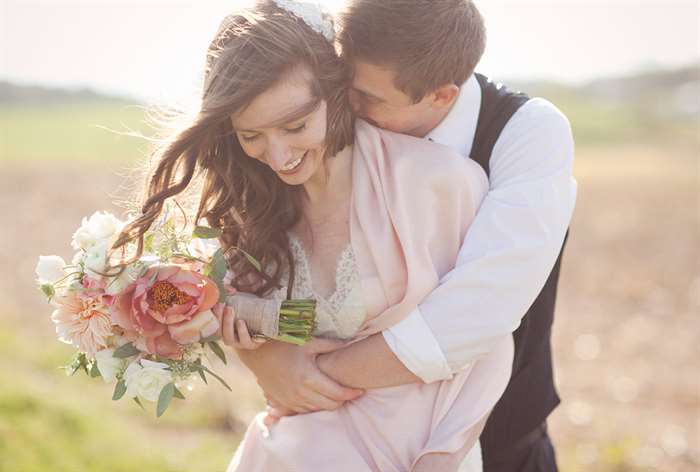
(146, 380)
(108, 365)
(82, 239)
(96, 259)
(49, 269)
(100, 226)
(126, 278)
(104, 225)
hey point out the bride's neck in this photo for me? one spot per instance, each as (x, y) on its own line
(332, 181)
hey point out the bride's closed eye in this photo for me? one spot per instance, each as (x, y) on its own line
(297, 129)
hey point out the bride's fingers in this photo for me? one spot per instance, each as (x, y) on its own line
(227, 328)
(244, 337)
(218, 310)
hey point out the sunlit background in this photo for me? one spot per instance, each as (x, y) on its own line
(626, 73)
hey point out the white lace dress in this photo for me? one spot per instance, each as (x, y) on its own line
(341, 314)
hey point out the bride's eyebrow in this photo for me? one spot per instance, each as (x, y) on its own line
(293, 115)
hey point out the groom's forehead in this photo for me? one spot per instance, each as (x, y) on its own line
(375, 80)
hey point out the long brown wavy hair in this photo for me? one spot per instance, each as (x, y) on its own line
(243, 197)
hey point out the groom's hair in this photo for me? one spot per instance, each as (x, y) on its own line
(429, 43)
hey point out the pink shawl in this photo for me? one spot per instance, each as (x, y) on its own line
(412, 203)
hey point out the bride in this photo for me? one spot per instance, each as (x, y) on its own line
(364, 220)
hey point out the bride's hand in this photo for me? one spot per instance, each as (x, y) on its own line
(289, 376)
(235, 333)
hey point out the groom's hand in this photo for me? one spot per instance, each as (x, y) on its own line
(290, 378)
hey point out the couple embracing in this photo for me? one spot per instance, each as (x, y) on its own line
(423, 206)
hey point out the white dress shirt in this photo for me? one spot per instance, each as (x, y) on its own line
(510, 248)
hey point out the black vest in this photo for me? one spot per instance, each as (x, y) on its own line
(530, 395)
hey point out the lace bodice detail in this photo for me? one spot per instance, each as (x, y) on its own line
(342, 313)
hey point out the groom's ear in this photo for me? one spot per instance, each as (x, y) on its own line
(445, 96)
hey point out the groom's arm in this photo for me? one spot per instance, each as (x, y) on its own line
(504, 262)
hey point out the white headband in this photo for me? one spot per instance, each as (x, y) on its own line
(313, 15)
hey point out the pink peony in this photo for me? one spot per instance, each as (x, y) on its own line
(165, 308)
(82, 320)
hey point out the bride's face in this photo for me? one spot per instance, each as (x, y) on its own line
(285, 128)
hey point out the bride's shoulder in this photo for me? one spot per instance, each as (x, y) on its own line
(410, 156)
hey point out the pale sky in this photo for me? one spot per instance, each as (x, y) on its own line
(154, 49)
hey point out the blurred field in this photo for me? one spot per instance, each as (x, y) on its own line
(626, 336)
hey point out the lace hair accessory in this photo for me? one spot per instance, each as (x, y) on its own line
(313, 15)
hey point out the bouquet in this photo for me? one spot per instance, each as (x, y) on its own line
(148, 327)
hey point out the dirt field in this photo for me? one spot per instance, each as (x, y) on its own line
(626, 338)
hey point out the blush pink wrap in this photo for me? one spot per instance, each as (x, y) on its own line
(413, 201)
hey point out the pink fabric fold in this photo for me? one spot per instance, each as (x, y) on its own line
(413, 201)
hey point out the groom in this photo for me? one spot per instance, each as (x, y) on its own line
(413, 63)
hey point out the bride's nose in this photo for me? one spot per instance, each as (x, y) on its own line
(278, 154)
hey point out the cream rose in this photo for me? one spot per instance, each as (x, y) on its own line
(108, 365)
(49, 269)
(147, 379)
(99, 227)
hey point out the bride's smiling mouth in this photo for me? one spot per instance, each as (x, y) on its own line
(294, 166)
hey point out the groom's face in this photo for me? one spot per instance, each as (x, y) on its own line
(375, 98)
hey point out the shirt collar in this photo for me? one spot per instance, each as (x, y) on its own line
(458, 128)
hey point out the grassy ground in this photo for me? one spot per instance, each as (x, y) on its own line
(625, 340)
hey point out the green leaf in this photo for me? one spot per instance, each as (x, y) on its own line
(223, 382)
(217, 265)
(198, 368)
(124, 351)
(138, 402)
(210, 339)
(223, 294)
(178, 394)
(148, 242)
(94, 371)
(254, 262)
(205, 232)
(119, 390)
(79, 362)
(48, 290)
(164, 399)
(218, 351)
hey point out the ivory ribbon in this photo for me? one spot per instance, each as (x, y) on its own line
(261, 315)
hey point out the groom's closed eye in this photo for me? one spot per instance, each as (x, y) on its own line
(367, 97)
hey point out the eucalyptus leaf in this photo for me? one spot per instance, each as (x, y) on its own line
(223, 382)
(148, 242)
(205, 232)
(223, 294)
(48, 290)
(218, 265)
(252, 260)
(178, 394)
(198, 368)
(138, 402)
(164, 399)
(212, 338)
(125, 351)
(214, 346)
(94, 371)
(119, 390)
